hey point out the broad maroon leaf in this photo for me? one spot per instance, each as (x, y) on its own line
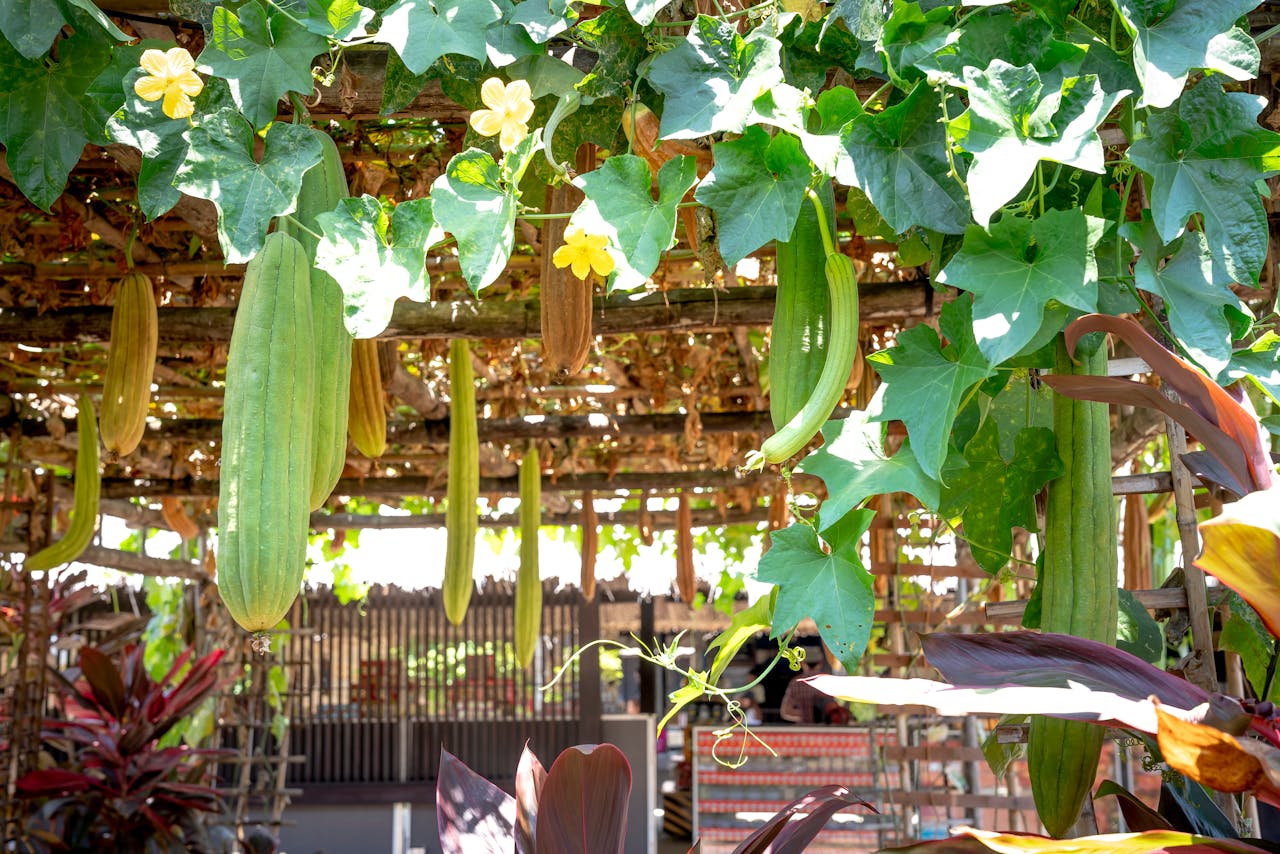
(1129, 393)
(1076, 703)
(583, 809)
(783, 835)
(104, 680)
(473, 815)
(1202, 394)
(530, 777)
(969, 840)
(1138, 817)
(53, 781)
(1242, 550)
(1053, 660)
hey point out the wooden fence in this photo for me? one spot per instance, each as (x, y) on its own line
(376, 690)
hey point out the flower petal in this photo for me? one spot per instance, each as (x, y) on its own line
(595, 241)
(574, 234)
(512, 133)
(154, 62)
(179, 61)
(190, 83)
(563, 256)
(581, 266)
(176, 103)
(602, 263)
(522, 111)
(487, 122)
(518, 90)
(491, 92)
(149, 88)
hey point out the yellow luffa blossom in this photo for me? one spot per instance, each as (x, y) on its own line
(170, 75)
(510, 108)
(584, 252)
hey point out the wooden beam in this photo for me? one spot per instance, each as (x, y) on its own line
(155, 567)
(436, 431)
(688, 309)
(662, 519)
(397, 487)
(1164, 598)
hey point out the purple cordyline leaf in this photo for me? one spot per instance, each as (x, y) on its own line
(1046, 659)
(782, 835)
(104, 681)
(530, 777)
(473, 815)
(53, 781)
(583, 809)
(1199, 392)
(1076, 703)
(1129, 393)
(1138, 817)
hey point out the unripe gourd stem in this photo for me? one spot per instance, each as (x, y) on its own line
(828, 244)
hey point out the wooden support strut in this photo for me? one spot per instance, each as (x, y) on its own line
(688, 309)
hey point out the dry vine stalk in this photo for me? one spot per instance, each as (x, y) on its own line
(175, 515)
(565, 300)
(686, 580)
(590, 545)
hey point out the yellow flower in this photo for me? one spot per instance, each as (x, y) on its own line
(510, 107)
(584, 252)
(172, 76)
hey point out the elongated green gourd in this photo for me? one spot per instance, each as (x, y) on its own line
(528, 628)
(126, 389)
(267, 424)
(323, 187)
(84, 510)
(801, 311)
(461, 519)
(1077, 588)
(842, 283)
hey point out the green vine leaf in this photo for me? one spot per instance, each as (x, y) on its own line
(48, 116)
(1198, 300)
(422, 31)
(899, 159)
(619, 45)
(835, 590)
(853, 464)
(30, 27)
(910, 36)
(476, 201)
(377, 253)
(995, 494)
(144, 126)
(1260, 362)
(543, 20)
(1017, 268)
(219, 166)
(712, 78)
(1172, 39)
(335, 19)
(925, 382)
(644, 11)
(1204, 155)
(619, 204)
(864, 18)
(756, 188)
(261, 57)
(1012, 124)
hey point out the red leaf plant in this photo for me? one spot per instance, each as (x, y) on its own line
(117, 789)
